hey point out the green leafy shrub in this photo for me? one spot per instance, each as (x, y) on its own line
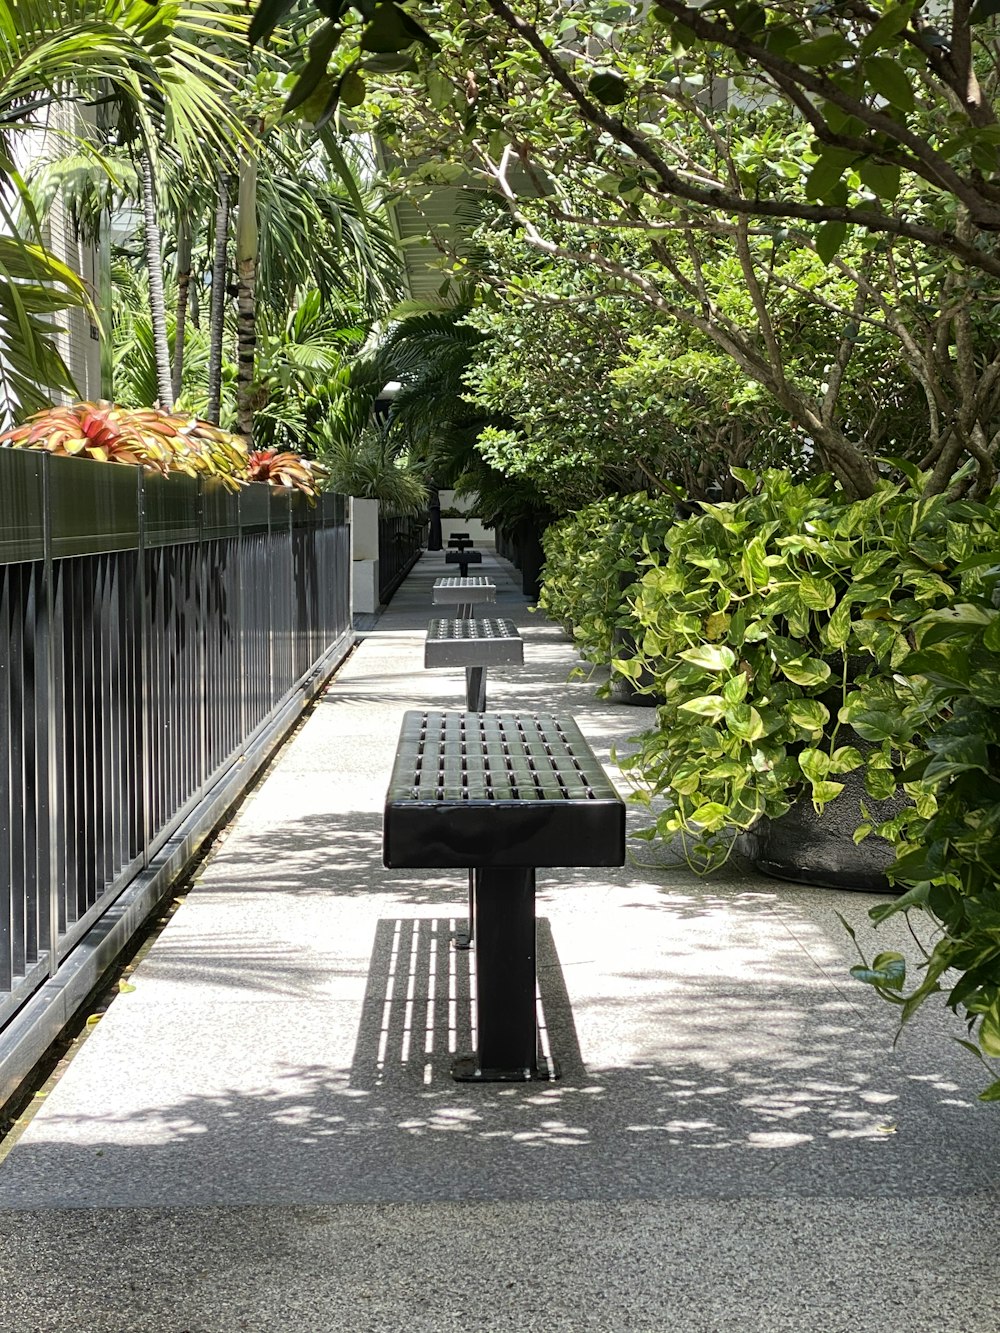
(775, 628)
(592, 559)
(798, 636)
(369, 466)
(951, 859)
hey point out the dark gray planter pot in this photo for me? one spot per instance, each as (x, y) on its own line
(625, 691)
(810, 848)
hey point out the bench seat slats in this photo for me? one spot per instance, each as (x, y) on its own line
(499, 789)
(470, 642)
(452, 588)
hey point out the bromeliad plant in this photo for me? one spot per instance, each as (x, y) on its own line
(285, 469)
(162, 441)
(775, 627)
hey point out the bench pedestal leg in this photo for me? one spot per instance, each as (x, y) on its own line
(464, 938)
(507, 1049)
(475, 689)
(463, 569)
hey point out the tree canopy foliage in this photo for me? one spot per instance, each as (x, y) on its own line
(808, 189)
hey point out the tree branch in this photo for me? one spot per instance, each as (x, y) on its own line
(727, 201)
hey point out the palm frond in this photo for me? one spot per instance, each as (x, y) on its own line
(366, 467)
(166, 69)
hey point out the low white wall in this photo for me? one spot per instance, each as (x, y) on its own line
(364, 587)
(364, 556)
(364, 529)
(482, 537)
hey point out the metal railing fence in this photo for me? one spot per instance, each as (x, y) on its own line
(150, 629)
(400, 541)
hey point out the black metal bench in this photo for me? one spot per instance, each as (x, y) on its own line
(458, 541)
(475, 645)
(463, 594)
(463, 559)
(501, 794)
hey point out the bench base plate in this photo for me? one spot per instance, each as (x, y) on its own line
(467, 1069)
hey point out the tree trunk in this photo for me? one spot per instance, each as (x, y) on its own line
(157, 303)
(218, 299)
(183, 287)
(246, 298)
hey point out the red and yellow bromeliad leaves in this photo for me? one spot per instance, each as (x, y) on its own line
(284, 468)
(162, 441)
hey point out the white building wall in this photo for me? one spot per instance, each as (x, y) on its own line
(79, 338)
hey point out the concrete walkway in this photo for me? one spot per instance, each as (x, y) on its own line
(263, 1135)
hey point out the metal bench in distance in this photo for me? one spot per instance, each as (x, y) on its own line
(463, 559)
(475, 645)
(458, 541)
(501, 794)
(463, 594)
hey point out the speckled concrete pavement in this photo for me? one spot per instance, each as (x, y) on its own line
(263, 1134)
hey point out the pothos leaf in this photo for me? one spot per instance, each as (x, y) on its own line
(713, 657)
(888, 970)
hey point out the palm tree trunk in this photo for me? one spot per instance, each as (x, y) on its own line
(183, 287)
(218, 299)
(157, 303)
(246, 298)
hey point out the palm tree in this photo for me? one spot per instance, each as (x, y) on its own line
(302, 222)
(157, 302)
(247, 238)
(432, 429)
(133, 352)
(303, 360)
(315, 229)
(146, 64)
(220, 274)
(427, 353)
(184, 247)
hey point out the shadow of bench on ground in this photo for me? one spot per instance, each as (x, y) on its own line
(418, 1010)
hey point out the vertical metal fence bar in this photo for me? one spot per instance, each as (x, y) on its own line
(8, 871)
(75, 817)
(122, 704)
(176, 739)
(185, 686)
(17, 759)
(104, 784)
(34, 630)
(203, 578)
(47, 740)
(152, 647)
(60, 850)
(89, 774)
(190, 684)
(161, 702)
